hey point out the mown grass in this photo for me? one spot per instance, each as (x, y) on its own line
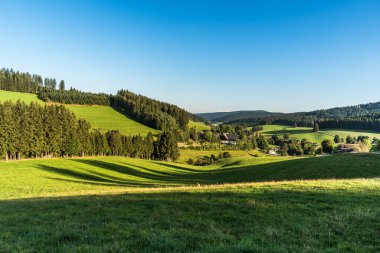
(106, 118)
(131, 205)
(307, 133)
(14, 96)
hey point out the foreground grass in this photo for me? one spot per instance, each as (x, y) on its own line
(315, 216)
(131, 205)
(106, 118)
(307, 133)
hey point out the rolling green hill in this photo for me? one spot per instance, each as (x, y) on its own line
(56, 177)
(106, 118)
(100, 117)
(95, 204)
(307, 133)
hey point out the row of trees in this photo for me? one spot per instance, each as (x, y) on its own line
(31, 131)
(11, 80)
(72, 96)
(154, 113)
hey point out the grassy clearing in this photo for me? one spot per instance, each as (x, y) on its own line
(307, 133)
(14, 96)
(200, 126)
(106, 118)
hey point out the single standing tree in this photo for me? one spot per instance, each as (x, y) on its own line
(336, 139)
(62, 85)
(316, 128)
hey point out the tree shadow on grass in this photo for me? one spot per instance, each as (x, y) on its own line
(94, 178)
(332, 167)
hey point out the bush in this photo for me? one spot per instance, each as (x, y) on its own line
(226, 155)
(190, 162)
(327, 146)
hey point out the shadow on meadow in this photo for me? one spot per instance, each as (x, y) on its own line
(247, 219)
(151, 173)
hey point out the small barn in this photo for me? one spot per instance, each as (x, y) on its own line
(348, 148)
(227, 138)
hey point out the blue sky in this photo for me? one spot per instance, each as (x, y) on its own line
(203, 55)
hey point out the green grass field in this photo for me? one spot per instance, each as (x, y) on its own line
(307, 133)
(200, 126)
(106, 118)
(242, 204)
(14, 96)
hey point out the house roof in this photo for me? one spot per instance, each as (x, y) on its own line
(228, 137)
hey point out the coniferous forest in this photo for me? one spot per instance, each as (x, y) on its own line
(154, 113)
(32, 131)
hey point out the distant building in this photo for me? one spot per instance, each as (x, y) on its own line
(272, 151)
(230, 139)
(349, 148)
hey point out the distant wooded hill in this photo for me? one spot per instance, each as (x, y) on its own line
(361, 110)
(237, 115)
(360, 117)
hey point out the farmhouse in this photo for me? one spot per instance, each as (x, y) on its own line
(226, 138)
(348, 147)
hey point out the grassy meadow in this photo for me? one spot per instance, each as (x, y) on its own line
(307, 133)
(200, 126)
(14, 96)
(241, 204)
(106, 118)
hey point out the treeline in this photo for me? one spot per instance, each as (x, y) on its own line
(153, 113)
(31, 131)
(368, 122)
(73, 96)
(11, 80)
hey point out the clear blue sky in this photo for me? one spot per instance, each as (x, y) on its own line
(203, 55)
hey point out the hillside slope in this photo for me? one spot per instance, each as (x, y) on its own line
(103, 118)
(106, 118)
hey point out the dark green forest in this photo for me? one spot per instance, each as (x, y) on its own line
(32, 131)
(153, 113)
(73, 96)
